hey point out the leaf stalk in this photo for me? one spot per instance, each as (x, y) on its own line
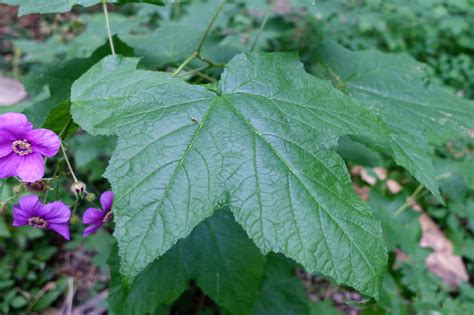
(107, 24)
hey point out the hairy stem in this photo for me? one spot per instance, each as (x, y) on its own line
(211, 23)
(184, 64)
(197, 52)
(262, 26)
(107, 24)
(68, 163)
(417, 193)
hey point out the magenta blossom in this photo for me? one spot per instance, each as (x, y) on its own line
(52, 216)
(22, 148)
(96, 217)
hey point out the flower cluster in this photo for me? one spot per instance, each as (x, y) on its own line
(22, 150)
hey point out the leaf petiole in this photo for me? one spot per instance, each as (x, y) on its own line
(107, 24)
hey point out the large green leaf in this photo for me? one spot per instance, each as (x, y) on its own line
(264, 144)
(395, 88)
(225, 263)
(49, 6)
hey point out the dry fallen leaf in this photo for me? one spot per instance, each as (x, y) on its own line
(282, 7)
(355, 170)
(366, 177)
(381, 172)
(362, 192)
(442, 261)
(11, 91)
(393, 186)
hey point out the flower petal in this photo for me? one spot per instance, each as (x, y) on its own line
(20, 217)
(93, 216)
(44, 142)
(31, 168)
(56, 213)
(60, 228)
(91, 229)
(31, 205)
(5, 148)
(106, 200)
(9, 165)
(7, 137)
(15, 124)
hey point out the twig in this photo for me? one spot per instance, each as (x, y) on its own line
(84, 308)
(70, 295)
(107, 24)
(262, 26)
(48, 286)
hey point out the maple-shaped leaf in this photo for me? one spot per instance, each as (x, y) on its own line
(264, 144)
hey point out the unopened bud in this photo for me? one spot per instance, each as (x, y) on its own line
(90, 197)
(78, 189)
(38, 186)
(17, 189)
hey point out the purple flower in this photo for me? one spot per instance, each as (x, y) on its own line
(22, 148)
(52, 216)
(96, 217)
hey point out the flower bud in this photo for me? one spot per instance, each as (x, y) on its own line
(17, 189)
(78, 189)
(90, 197)
(38, 186)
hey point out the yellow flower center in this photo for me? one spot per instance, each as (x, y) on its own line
(38, 222)
(22, 147)
(107, 217)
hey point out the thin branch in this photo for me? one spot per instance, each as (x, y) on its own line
(70, 295)
(107, 24)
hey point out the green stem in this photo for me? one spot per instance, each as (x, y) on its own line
(184, 64)
(107, 24)
(68, 163)
(211, 23)
(194, 71)
(262, 26)
(65, 128)
(197, 53)
(418, 191)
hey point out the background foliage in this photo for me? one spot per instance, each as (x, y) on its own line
(55, 50)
